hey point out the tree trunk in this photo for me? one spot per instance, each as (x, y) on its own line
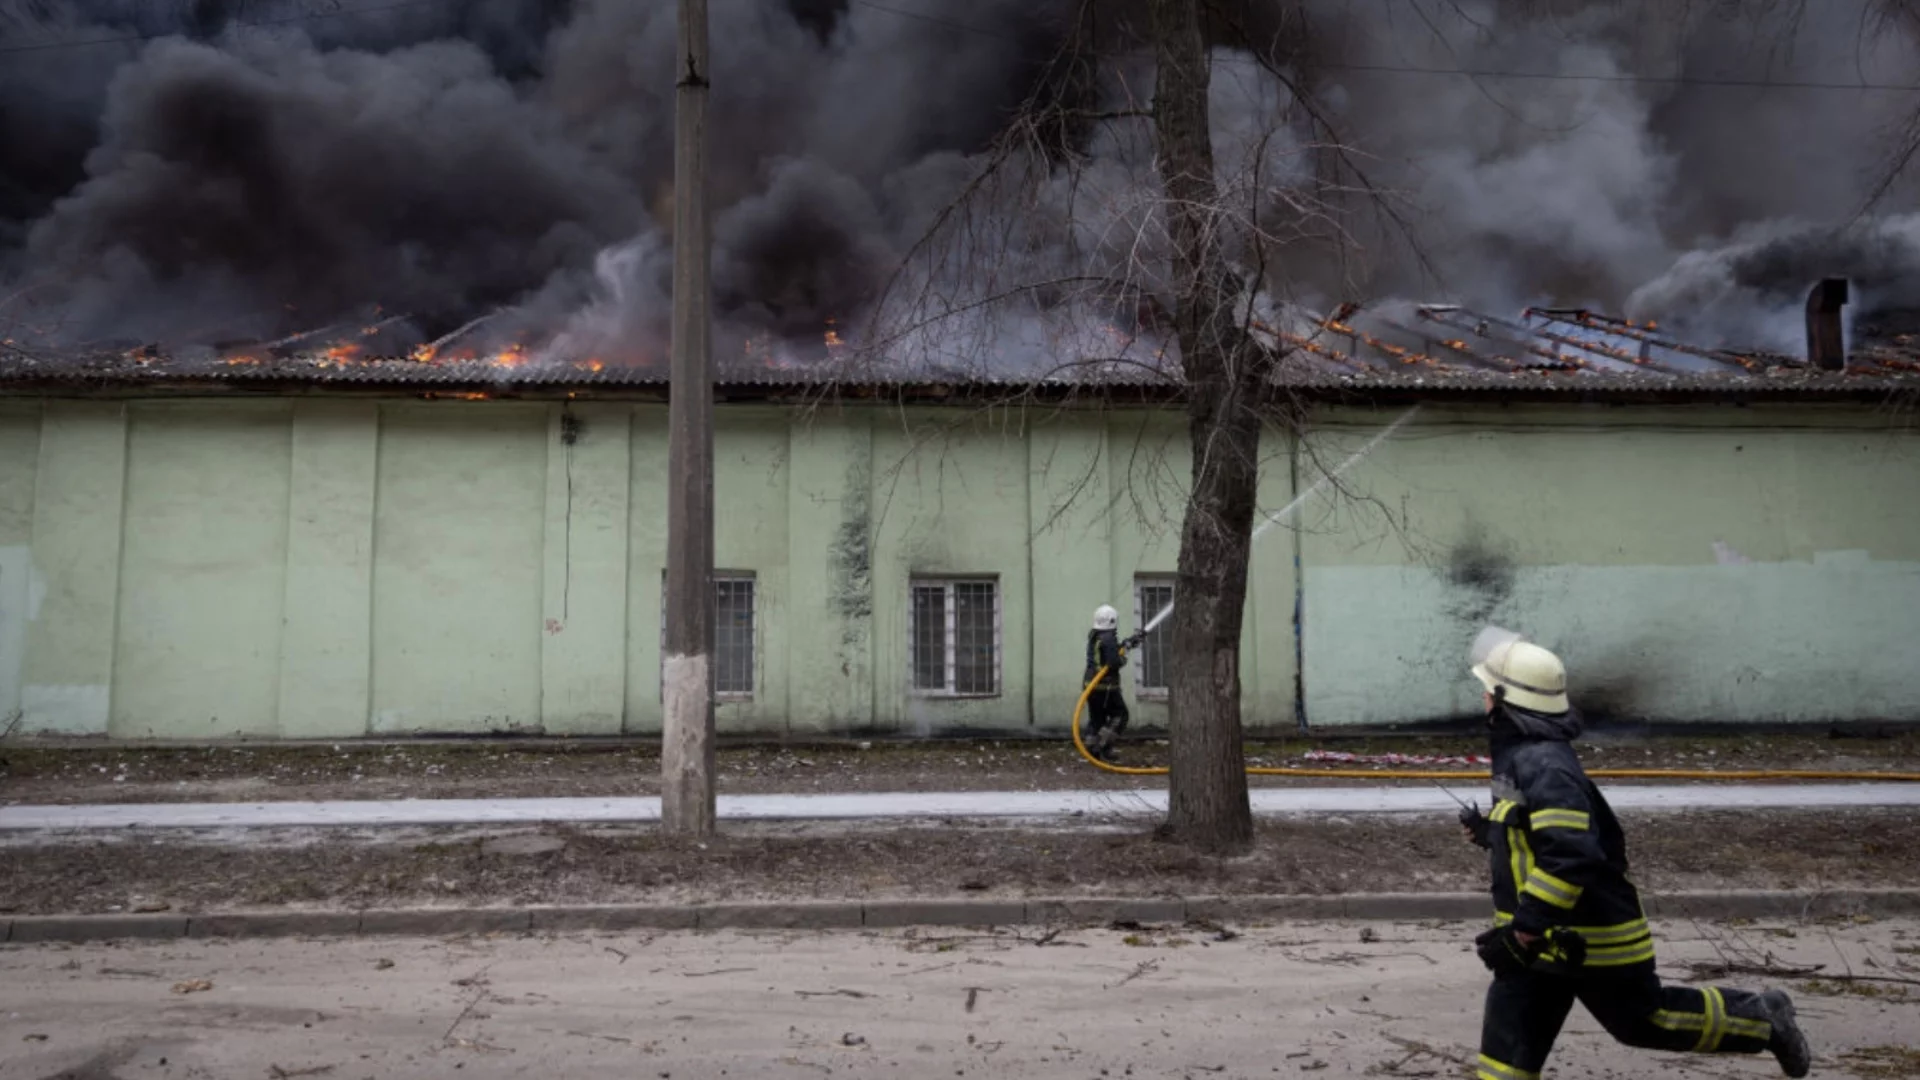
(1208, 799)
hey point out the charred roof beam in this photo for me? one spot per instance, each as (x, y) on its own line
(1501, 332)
(1648, 339)
(1488, 362)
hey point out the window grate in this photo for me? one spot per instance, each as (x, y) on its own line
(974, 629)
(733, 635)
(930, 638)
(734, 645)
(1151, 597)
(954, 637)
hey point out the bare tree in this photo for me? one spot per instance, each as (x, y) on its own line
(1226, 379)
(1160, 261)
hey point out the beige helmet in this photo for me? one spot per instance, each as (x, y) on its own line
(1526, 675)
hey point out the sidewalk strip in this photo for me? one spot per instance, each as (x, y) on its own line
(903, 805)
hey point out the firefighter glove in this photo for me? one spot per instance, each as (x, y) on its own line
(1564, 947)
(1500, 949)
(1477, 826)
(1133, 642)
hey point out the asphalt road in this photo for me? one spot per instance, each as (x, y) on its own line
(1308, 999)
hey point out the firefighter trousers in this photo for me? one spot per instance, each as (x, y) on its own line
(1525, 1012)
(1105, 707)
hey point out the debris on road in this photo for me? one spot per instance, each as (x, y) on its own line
(1056, 1013)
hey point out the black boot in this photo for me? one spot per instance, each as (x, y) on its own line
(1789, 1044)
(1103, 746)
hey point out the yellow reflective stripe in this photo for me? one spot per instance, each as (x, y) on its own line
(1716, 1021)
(1609, 946)
(1749, 1029)
(1679, 1021)
(1614, 935)
(1551, 889)
(1624, 933)
(1577, 820)
(1502, 810)
(1619, 946)
(1621, 956)
(1500, 1070)
(1519, 859)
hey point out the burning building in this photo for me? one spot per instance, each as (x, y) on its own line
(330, 339)
(317, 543)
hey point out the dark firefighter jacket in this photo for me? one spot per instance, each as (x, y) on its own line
(1103, 651)
(1559, 857)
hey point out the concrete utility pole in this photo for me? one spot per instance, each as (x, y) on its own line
(686, 751)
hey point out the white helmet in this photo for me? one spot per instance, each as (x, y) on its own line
(1105, 618)
(1526, 675)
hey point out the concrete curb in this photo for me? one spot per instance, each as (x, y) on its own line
(877, 914)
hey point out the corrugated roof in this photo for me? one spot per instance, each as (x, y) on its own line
(1428, 350)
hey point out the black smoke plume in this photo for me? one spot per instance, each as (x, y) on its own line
(198, 171)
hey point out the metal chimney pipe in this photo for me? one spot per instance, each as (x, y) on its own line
(1826, 337)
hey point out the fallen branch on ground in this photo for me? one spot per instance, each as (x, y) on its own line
(1700, 971)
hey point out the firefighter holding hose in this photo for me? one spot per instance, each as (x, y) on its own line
(1106, 655)
(1568, 923)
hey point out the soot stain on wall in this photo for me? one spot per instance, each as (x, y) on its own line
(1480, 578)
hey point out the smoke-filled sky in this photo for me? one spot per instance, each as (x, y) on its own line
(248, 169)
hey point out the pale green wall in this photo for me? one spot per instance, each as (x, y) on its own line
(74, 568)
(1752, 565)
(750, 536)
(830, 651)
(203, 567)
(326, 655)
(459, 541)
(334, 568)
(19, 461)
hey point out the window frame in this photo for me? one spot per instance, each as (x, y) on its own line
(947, 583)
(1141, 583)
(752, 581)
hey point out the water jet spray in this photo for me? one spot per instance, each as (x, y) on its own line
(1299, 500)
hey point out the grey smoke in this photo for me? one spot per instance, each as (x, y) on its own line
(283, 175)
(1573, 191)
(1750, 292)
(447, 160)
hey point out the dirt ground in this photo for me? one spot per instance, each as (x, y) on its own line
(258, 869)
(34, 773)
(1394, 1000)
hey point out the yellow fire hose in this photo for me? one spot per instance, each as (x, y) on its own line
(1435, 774)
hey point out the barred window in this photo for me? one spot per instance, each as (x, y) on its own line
(1151, 596)
(733, 633)
(953, 637)
(733, 636)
